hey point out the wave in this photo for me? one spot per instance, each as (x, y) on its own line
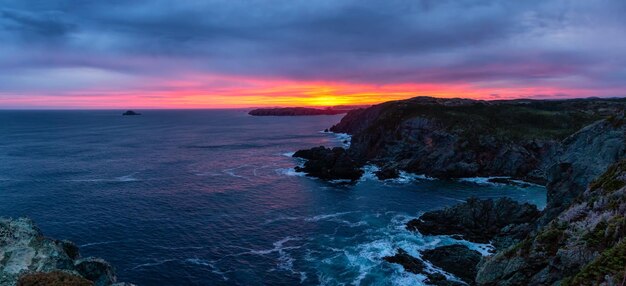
(369, 173)
(486, 181)
(288, 154)
(151, 264)
(100, 243)
(326, 216)
(290, 172)
(121, 179)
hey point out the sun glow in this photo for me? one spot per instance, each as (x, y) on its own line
(219, 91)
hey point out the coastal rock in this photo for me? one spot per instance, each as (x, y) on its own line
(96, 270)
(584, 245)
(27, 256)
(410, 263)
(417, 266)
(475, 220)
(584, 156)
(387, 173)
(449, 138)
(455, 259)
(329, 164)
(54, 278)
(295, 111)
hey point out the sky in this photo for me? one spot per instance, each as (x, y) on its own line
(243, 53)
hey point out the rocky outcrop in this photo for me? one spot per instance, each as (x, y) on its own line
(478, 220)
(455, 259)
(465, 138)
(295, 111)
(583, 157)
(417, 266)
(410, 263)
(26, 256)
(329, 164)
(584, 245)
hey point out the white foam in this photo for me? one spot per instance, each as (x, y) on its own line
(326, 216)
(406, 177)
(369, 172)
(482, 180)
(344, 138)
(288, 154)
(290, 172)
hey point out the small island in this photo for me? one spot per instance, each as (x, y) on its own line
(130, 112)
(296, 111)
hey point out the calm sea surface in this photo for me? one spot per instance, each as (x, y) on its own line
(209, 197)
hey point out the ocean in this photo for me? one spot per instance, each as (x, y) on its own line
(210, 197)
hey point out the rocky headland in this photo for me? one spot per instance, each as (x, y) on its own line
(28, 258)
(296, 111)
(576, 148)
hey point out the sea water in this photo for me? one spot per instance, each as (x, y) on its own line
(210, 197)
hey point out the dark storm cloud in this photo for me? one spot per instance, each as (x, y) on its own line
(529, 42)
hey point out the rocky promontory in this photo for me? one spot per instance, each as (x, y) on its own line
(296, 111)
(28, 258)
(451, 138)
(576, 148)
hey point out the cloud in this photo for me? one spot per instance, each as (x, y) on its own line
(488, 43)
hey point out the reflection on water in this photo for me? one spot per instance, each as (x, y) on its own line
(211, 198)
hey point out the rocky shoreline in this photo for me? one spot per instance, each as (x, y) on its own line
(27, 258)
(576, 148)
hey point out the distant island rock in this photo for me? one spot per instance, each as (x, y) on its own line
(296, 111)
(30, 258)
(130, 112)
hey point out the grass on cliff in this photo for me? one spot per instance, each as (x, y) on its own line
(611, 262)
(610, 181)
(514, 121)
(55, 278)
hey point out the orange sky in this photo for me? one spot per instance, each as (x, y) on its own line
(238, 92)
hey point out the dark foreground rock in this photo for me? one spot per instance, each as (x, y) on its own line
(387, 173)
(476, 220)
(329, 164)
(295, 111)
(417, 266)
(410, 263)
(29, 258)
(455, 259)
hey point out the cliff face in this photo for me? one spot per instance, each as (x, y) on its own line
(465, 138)
(583, 245)
(578, 239)
(29, 258)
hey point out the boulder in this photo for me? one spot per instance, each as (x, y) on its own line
(329, 164)
(475, 220)
(455, 259)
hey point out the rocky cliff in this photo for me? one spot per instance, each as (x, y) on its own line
(29, 258)
(467, 138)
(568, 145)
(584, 245)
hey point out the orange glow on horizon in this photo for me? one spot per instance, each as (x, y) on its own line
(237, 92)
